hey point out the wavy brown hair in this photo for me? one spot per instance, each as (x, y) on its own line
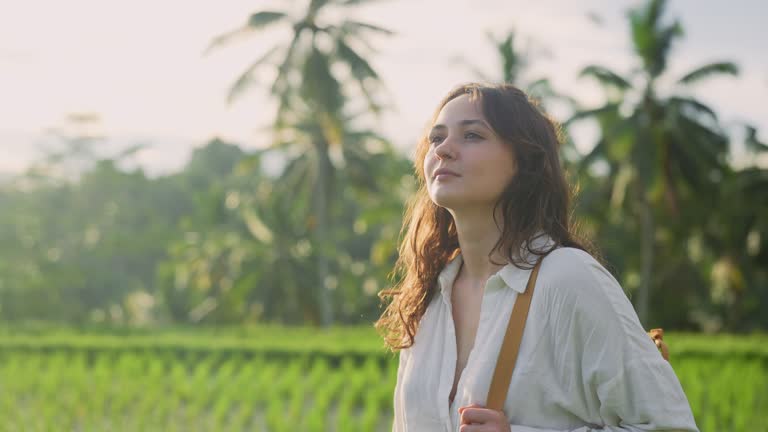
(538, 198)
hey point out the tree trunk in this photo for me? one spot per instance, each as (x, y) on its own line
(646, 259)
(324, 295)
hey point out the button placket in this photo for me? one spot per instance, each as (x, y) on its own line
(449, 369)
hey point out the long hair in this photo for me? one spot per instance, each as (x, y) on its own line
(537, 199)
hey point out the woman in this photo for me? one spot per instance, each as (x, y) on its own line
(492, 200)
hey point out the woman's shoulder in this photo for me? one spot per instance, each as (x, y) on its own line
(569, 262)
(576, 285)
(572, 271)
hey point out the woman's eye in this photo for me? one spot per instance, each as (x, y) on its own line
(469, 135)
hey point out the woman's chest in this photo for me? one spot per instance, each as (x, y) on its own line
(466, 308)
(455, 353)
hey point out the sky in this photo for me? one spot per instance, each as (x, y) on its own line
(140, 67)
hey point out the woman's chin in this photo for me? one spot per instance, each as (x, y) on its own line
(447, 200)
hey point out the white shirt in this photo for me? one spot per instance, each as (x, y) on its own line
(585, 362)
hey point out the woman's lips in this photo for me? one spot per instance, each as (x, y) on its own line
(444, 173)
(445, 176)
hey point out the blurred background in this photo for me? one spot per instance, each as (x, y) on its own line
(200, 202)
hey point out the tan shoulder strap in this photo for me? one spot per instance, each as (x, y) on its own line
(502, 375)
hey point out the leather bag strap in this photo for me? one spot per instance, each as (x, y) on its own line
(505, 365)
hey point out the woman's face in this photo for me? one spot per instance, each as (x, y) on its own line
(462, 141)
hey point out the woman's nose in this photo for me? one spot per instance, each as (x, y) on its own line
(444, 150)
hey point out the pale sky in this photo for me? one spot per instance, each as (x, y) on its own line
(139, 64)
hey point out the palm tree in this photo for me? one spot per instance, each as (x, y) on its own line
(514, 62)
(659, 148)
(737, 236)
(308, 84)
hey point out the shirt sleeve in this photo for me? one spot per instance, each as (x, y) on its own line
(604, 352)
(398, 424)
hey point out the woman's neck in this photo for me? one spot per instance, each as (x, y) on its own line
(478, 235)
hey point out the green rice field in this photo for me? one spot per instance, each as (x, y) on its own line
(281, 379)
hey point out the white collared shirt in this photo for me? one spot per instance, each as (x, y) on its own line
(585, 362)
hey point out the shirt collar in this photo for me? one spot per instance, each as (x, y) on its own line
(513, 277)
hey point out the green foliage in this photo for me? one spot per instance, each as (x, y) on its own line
(305, 230)
(221, 241)
(278, 378)
(668, 180)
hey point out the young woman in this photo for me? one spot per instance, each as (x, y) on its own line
(492, 200)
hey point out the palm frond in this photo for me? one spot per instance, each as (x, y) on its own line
(596, 112)
(692, 105)
(359, 67)
(314, 8)
(651, 40)
(752, 142)
(361, 70)
(753, 181)
(512, 61)
(246, 78)
(319, 86)
(282, 88)
(541, 88)
(658, 56)
(256, 21)
(353, 27)
(707, 145)
(699, 152)
(709, 70)
(605, 76)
